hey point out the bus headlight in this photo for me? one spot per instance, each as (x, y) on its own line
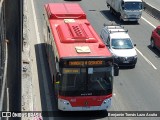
(64, 102)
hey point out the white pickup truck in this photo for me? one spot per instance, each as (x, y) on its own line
(126, 10)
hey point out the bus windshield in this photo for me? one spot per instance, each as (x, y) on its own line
(132, 5)
(86, 81)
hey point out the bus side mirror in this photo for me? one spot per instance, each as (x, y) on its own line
(116, 70)
(58, 77)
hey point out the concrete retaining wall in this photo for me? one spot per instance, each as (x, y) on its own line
(4, 106)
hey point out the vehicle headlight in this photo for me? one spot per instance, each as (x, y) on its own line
(115, 56)
(125, 16)
(139, 16)
(135, 57)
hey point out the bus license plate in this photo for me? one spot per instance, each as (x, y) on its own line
(86, 108)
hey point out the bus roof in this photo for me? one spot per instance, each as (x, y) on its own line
(63, 10)
(73, 34)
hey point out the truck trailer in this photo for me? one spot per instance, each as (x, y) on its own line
(126, 10)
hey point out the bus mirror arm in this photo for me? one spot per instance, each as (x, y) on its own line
(116, 69)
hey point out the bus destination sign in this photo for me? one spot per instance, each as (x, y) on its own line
(85, 63)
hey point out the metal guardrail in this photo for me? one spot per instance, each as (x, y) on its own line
(3, 61)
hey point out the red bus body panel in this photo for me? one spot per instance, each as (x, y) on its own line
(71, 30)
(68, 35)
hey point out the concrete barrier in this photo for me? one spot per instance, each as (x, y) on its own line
(152, 10)
(4, 97)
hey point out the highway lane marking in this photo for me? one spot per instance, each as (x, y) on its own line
(36, 24)
(140, 52)
(153, 6)
(146, 59)
(148, 22)
(48, 101)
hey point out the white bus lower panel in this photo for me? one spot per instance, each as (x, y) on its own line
(65, 105)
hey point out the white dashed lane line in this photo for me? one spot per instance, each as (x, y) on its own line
(148, 22)
(149, 62)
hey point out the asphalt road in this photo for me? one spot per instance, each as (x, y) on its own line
(134, 89)
(155, 3)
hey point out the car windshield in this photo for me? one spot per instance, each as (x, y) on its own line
(121, 44)
(132, 5)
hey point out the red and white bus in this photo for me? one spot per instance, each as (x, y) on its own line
(81, 66)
